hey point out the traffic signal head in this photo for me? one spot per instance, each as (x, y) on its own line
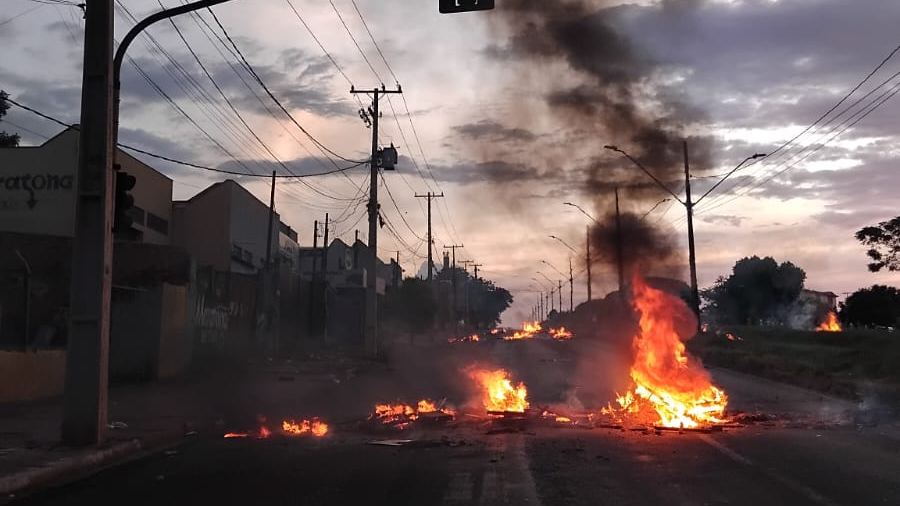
(453, 6)
(124, 201)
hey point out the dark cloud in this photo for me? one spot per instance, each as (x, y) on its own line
(491, 130)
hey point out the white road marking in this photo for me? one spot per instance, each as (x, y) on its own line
(797, 487)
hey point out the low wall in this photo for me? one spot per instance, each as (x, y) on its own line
(30, 375)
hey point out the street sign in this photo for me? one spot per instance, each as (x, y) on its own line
(454, 6)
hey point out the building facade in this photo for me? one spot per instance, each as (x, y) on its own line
(38, 186)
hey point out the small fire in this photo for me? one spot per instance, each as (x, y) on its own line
(563, 419)
(494, 332)
(315, 427)
(473, 338)
(831, 324)
(264, 432)
(498, 392)
(561, 334)
(401, 414)
(231, 435)
(529, 329)
(674, 384)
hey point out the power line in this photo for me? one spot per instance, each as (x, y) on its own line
(366, 26)
(174, 160)
(366, 58)
(271, 95)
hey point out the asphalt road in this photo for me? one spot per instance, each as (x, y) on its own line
(813, 453)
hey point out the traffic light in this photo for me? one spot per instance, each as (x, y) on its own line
(453, 6)
(124, 201)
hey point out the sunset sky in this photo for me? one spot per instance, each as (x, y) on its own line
(748, 76)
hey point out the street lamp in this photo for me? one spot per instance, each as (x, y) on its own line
(576, 206)
(564, 244)
(663, 201)
(571, 284)
(689, 208)
(553, 289)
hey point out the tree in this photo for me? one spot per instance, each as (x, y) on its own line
(757, 290)
(411, 305)
(486, 300)
(6, 140)
(878, 305)
(884, 244)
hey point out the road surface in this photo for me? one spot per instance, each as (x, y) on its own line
(812, 454)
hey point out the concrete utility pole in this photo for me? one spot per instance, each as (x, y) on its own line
(692, 253)
(559, 289)
(371, 289)
(453, 279)
(87, 354)
(430, 196)
(571, 287)
(315, 256)
(476, 266)
(271, 220)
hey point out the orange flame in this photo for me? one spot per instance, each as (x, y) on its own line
(674, 384)
(315, 427)
(561, 334)
(529, 329)
(497, 391)
(831, 324)
(400, 412)
(236, 435)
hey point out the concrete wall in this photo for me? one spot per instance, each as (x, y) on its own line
(175, 339)
(37, 187)
(134, 334)
(29, 375)
(153, 194)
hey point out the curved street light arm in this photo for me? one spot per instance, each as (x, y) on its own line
(654, 178)
(752, 157)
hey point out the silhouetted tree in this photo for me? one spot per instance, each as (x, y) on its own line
(884, 244)
(411, 305)
(6, 140)
(877, 305)
(758, 289)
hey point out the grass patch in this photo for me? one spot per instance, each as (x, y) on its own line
(847, 364)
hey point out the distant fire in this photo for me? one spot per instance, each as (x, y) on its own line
(314, 427)
(231, 435)
(529, 329)
(665, 378)
(561, 334)
(497, 390)
(831, 324)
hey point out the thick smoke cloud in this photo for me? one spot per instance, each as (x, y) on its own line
(597, 81)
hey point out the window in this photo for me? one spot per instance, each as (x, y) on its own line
(137, 214)
(158, 224)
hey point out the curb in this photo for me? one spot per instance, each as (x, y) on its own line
(58, 471)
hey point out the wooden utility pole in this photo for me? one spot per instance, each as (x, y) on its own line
(692, 253)
(559, 288)
(87, 354)
(430, 196)
(587, 247)
(373, 207)
(619, 253)
(325, 247)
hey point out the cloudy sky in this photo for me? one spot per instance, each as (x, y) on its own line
(507, 112)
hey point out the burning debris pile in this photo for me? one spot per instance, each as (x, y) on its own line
(666, 379)
(561, 334)
(399, 415)
(498, 394)
(831, 324)
(472, 339)
(529, 330)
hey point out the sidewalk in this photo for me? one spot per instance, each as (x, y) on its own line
(151, 415)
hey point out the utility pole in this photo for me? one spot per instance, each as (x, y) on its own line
(453, 279)
(356, 251)
(87, 355)
(430, 196)
(271, 219)
(325, 247)
(269, 273)
(315, 257)
(692, 253)
(587, 246)
(371, 289)
(476, 266)
(571, 287)
(559, 288)
(619, 255)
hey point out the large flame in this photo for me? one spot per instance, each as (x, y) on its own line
(497, 390)
(665, 377)
(401, 414)
(831, 324)
(529, 329)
